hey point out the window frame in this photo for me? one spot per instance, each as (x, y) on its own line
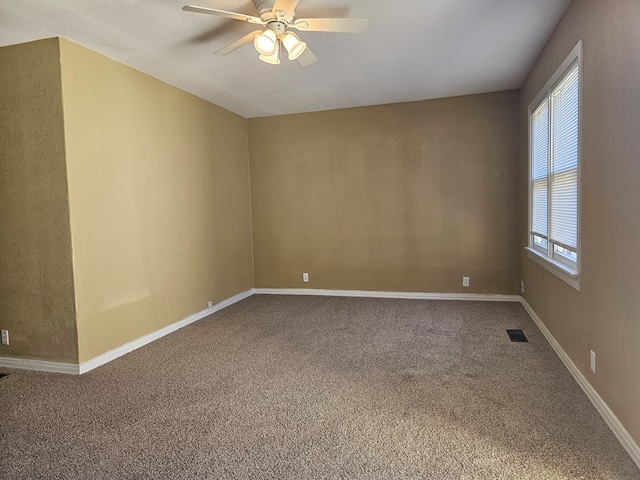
(548, 258)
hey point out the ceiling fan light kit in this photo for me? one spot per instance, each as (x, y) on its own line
(278, 16)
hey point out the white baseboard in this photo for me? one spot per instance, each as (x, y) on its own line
(142, 341)
(378, 294)
(40, 365)
(603, 409)
(107, 357)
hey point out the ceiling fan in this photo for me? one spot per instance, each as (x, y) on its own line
(278, 17)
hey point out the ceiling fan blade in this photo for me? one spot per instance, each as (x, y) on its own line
(233, 46)
(223, 13)
(286, 6)
(307, 58)
(344, 25)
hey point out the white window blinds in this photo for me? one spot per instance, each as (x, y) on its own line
(540, 168)
(564, 161)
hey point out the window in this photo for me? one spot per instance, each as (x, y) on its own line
(554, 172)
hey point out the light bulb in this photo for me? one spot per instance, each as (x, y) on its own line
(293, 44)
(265, 43)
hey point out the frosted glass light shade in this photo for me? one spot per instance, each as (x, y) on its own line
(273, 59)
(293, 44)
(265, 43)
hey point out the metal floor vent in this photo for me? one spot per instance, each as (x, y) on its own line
(517, 336)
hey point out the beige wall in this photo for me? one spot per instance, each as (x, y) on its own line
(36, 277)
(404, 197)
(160, 202)
(605, 315)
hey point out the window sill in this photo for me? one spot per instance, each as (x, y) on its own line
(561, 271)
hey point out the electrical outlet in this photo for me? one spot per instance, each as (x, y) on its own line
(593, 361)
(305, 277)
(521, 286)
(5, 337)
(465, 281)
(209, 304)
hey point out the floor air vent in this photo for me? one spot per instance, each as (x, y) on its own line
(516, 336)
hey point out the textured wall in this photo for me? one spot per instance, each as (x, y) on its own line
(36, 278)
(159, 200)
(605, 315)
(404, 197)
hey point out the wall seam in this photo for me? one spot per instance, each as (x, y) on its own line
(253, 254)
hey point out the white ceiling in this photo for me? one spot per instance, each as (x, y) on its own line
(414, 49)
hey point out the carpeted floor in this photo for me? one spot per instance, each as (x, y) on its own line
(317, 387)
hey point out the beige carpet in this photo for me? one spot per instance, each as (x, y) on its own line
(317, 387)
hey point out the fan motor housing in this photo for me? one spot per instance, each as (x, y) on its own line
(277, 27)
(264, 8)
